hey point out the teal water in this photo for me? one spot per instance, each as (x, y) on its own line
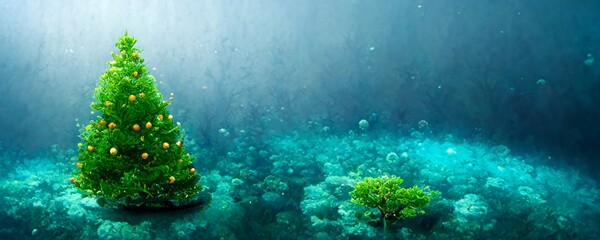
(492, 103)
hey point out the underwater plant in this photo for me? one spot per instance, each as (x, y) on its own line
(132, 154)
(393, 202)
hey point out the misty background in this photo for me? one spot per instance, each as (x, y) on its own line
(513, 72)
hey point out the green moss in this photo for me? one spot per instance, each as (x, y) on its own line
(127, 95)
(394, 202)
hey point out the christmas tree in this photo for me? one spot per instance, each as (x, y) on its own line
(133, 153)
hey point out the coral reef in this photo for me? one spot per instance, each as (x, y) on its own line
(486, 192)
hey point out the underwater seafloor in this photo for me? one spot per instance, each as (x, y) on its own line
(296, 185)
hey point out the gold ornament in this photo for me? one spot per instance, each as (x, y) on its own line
(179, 145)
(112, 125)
(135, 74)
(160, 117)
(142, 95)
(148, 125)
(79, 165)
(192, 170)
(171, 179)
(113, 151)
(165, 145)
(170, 117)
(144, 156)
(136, 127)
(102, 122)
(90, 148)
(136, 55)
(107, 103)
(73, 180)
(131, 98)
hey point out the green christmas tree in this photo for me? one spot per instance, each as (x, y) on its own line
(133, 153)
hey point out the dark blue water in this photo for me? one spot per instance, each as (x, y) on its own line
(494, 105)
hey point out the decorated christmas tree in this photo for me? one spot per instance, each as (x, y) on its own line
(132, 154)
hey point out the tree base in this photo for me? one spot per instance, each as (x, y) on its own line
(200, 201)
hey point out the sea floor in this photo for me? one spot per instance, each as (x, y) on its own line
(295, 186)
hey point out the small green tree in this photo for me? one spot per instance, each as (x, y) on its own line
(132, 154)
(394, 203)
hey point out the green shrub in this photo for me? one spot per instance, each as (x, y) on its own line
(394, 202)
